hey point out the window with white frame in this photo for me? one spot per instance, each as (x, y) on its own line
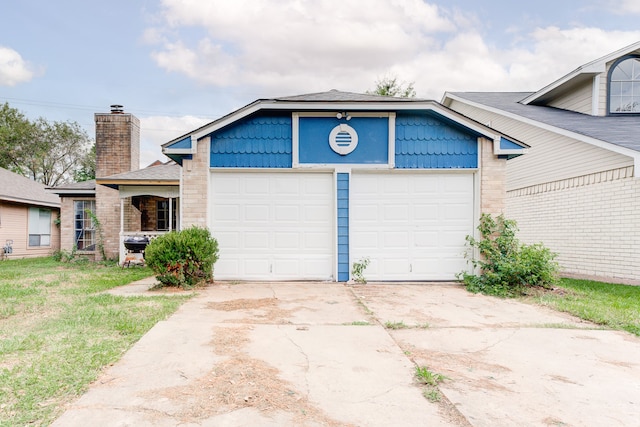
(39, 227)
(624, 86)
(85, 231)
(162, 214)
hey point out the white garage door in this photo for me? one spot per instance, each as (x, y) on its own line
(273, 226)
(411, 226)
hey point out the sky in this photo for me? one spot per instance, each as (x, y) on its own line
(178, 64)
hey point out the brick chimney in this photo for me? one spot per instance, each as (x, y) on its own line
(117, 151)
(117, 142)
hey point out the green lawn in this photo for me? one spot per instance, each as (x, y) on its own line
(58, 331)
(611, 305)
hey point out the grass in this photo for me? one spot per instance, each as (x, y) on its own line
(401, 325)
(58, 331)
(611, 305)
(430, 381)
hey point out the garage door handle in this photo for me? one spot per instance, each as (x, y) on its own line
(410, 268)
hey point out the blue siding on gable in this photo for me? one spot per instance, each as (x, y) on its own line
(342, 197)
(373, 140)
(183, 143)
(256, 142)
(505, 144)
(424, 141)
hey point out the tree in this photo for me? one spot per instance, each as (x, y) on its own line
(52, 153)
(390, 86)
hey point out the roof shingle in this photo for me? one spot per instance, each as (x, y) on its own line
(17, 188)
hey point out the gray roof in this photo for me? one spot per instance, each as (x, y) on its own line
(166, 172)
(76, 187)
(620, 130)
(339, 96)
(19, 189)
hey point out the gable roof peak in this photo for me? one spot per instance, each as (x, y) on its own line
(335, 95)
(587, 70)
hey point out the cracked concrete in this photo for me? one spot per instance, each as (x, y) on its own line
(299, 354)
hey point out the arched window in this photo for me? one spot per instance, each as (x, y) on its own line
(624, 86)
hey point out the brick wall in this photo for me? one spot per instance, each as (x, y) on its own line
(195, 187)
(117, 151)
(492, 181)
(592, 221)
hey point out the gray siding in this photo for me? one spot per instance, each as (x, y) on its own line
(552, 157)
(578, 100)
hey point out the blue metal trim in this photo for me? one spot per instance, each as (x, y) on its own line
(342, 204)
(426, 141)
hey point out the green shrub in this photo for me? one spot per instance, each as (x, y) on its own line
(183, 258)
(507, 267)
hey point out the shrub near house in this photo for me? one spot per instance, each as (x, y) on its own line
(508, 267)
(183, 258)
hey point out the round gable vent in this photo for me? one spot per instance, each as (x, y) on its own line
(343, 139)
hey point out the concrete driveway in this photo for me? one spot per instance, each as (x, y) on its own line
(319, 354)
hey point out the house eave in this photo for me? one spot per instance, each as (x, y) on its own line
(137, 182)
(332, 106)
(29, 202)
(635, 155)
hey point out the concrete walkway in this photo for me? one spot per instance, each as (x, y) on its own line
(318, 354)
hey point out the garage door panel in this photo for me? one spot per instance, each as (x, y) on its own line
(256, 240)
(317, 241)
(365, 212)
(277, 226)
(395, 240)
(287, 213)
(228, 212)
(285, 241)
(425, 213)
(253, 186)
(316, 213)
(457, 184)
(317, 186)
(412, 226)
(456, 212)
(395, 213)
(426, 239)
(394, 267)
(398, 187)
(256, 213)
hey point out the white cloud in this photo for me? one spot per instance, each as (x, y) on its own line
(156, 130)
(285, 45)
(13, 69)
(282, 47)
(626, 6)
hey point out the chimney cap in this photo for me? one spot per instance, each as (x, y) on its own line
(117, 109)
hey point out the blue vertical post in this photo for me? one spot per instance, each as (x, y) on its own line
(343, 226)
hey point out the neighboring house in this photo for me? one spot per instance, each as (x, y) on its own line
(28, 216)
(577, 190)
(301, 187)
(124, 199)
